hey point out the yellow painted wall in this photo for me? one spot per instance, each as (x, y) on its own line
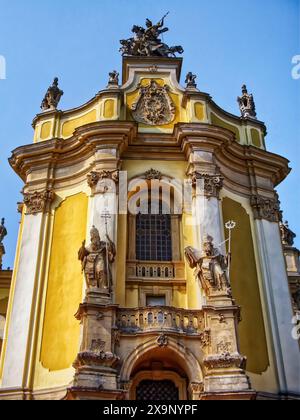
(200, 111)
(64, 294)
(220, 123)
(46, 130)
(255, 137)
(109, 108)
(70, 126)
(245, 289)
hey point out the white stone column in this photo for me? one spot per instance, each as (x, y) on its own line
(19, 330)
(278, 302)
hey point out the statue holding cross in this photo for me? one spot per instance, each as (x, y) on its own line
(96, 260)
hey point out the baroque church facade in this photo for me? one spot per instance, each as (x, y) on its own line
(152, 259)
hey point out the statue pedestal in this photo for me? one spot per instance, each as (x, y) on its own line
(96, 363)
(98, 296)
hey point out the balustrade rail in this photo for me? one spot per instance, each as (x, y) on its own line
(160, 318)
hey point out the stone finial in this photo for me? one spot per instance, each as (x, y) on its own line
(287, 236)
(52, 97)
(113, 80)
(190, 80)
(3, 233)
(246, 104)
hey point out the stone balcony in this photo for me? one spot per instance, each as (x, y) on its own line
(156, 272)
(161, 319)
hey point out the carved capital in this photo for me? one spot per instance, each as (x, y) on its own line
(207, 185)
(97, 180)
(38, 201)
(266, 208)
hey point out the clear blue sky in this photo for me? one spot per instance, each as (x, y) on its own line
(226, 43)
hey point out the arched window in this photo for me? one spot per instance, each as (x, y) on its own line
(153, 237)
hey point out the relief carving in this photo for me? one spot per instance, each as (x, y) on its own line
(162, 340)
(224, 361)
(100, 181)
(154, 105)
(266, 208)
(153, 174)
(205, 338)
(38, 201)
(209, 185)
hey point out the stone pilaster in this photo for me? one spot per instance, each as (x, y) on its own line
(19, 339)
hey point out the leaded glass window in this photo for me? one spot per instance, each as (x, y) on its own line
(153, 237)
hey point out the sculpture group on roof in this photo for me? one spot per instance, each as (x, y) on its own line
(146, 42)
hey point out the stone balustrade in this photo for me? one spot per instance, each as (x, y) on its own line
(159, 270)
(161, 318)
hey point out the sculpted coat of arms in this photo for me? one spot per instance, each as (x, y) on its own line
(153, 105)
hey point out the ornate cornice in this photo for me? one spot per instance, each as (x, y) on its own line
(208, 185)
(38, 201)
(239, 165)
(266, 208)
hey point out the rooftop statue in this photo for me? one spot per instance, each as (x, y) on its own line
(146, 42)
(246, 104)
(52, 97)
(3, 233)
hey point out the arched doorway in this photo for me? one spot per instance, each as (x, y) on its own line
(159, 361)
(158, 385)
(159, 375)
